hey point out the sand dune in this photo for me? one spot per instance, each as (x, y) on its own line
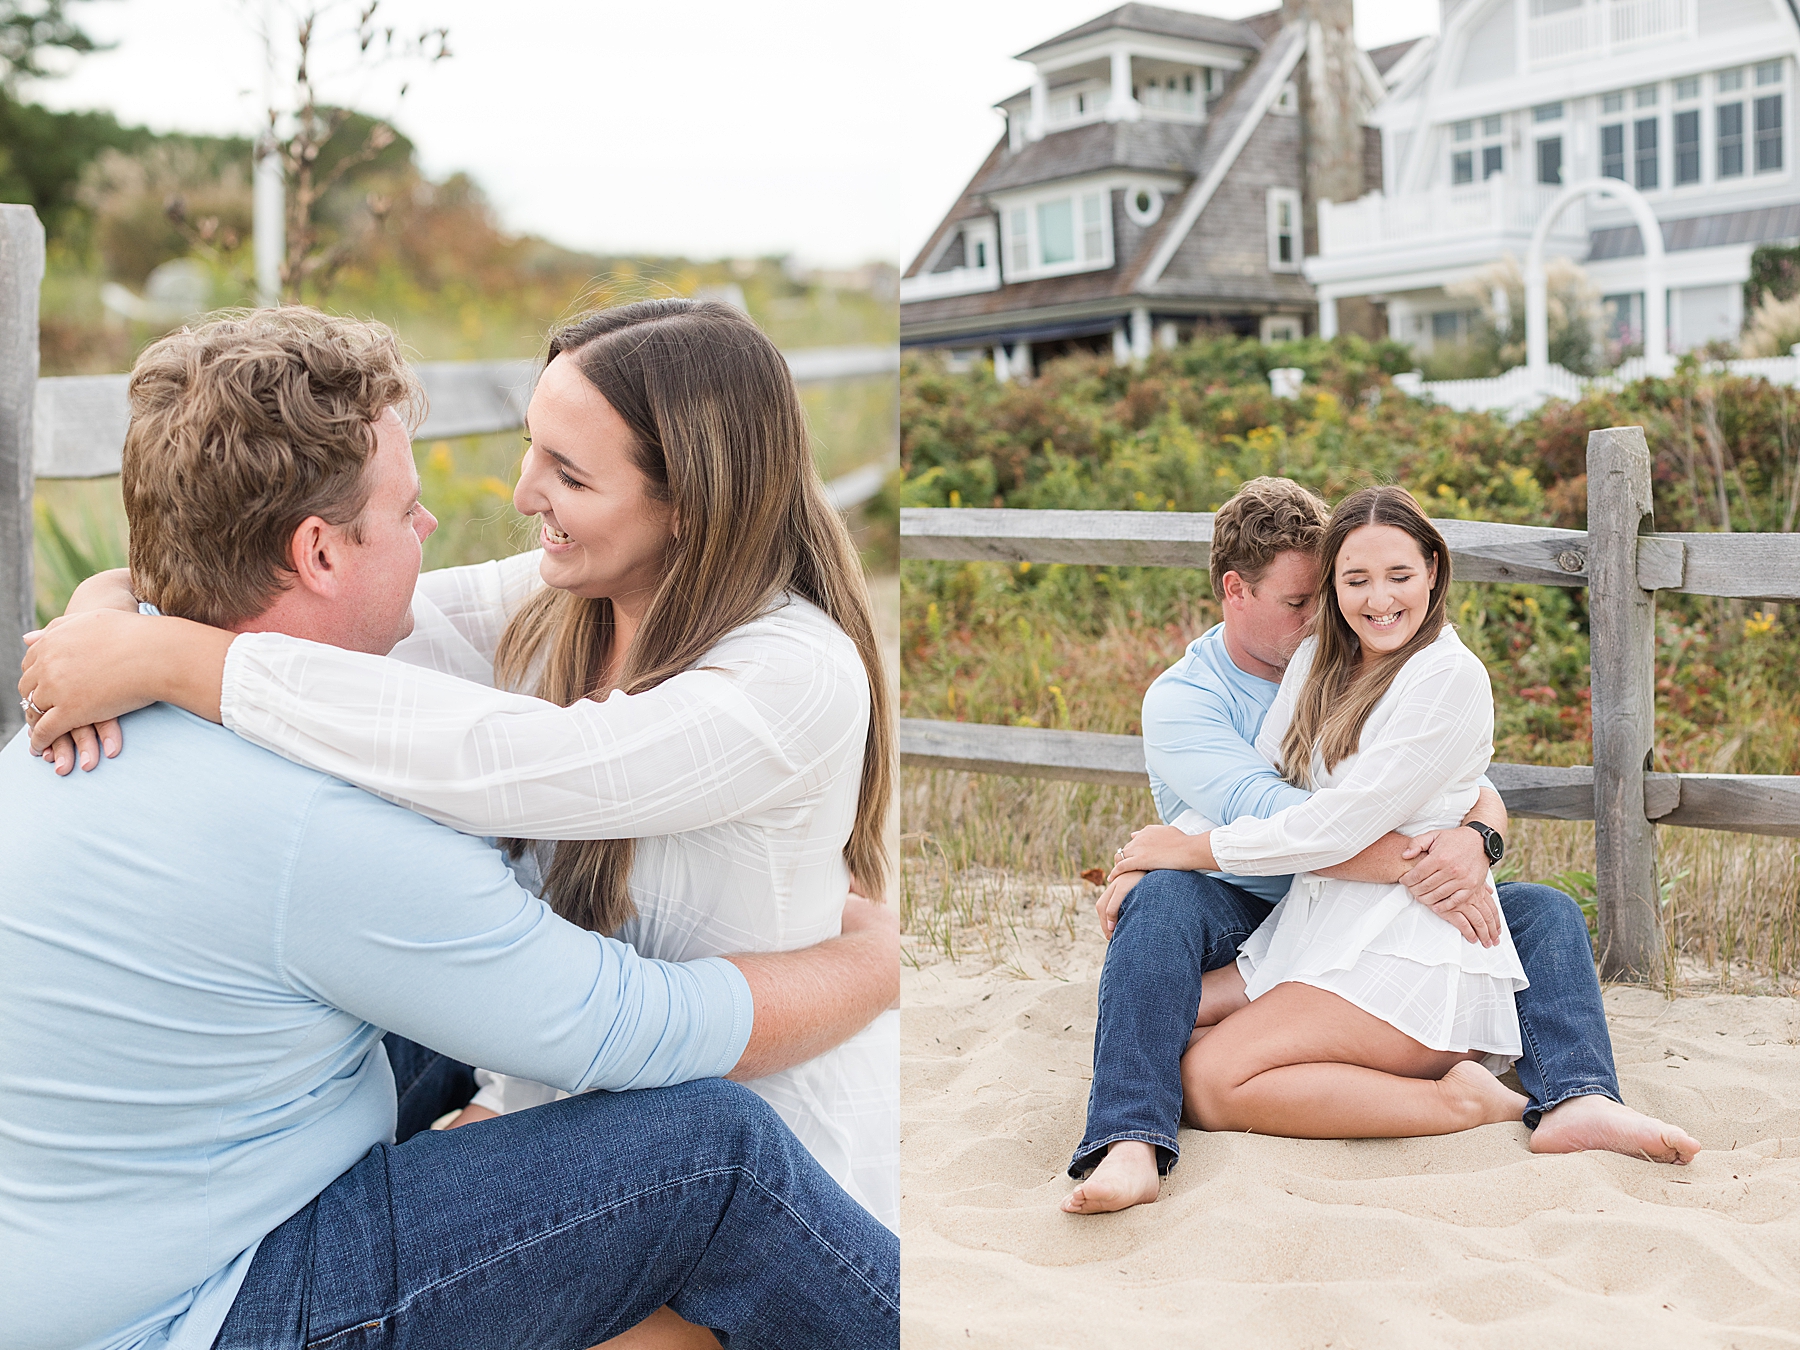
(1468, 1240)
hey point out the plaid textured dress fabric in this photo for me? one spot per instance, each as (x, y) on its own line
(1423, 751)
(739, 779)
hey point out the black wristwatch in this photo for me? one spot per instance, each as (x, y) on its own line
(1491, 841)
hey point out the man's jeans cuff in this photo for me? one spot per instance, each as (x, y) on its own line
(1536, 1113)
(1088, 1155)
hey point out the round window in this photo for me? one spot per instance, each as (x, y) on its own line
(1143, 204)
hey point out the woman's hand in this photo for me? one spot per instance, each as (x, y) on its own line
(86, 670)
(104, 590)
(1163, 847)
(1107, 906)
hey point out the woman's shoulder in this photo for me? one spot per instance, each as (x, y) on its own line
(792, 634)
(1447, 658)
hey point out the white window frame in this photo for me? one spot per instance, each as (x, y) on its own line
(1277, 198)
(1271, 322)
(1017, 211)
(1706, 101)
(1150, 214)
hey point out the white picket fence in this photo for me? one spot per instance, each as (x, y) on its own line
(1515, 394)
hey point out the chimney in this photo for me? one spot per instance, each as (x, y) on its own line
(1331, 105)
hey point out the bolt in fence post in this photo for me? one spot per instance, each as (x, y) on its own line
(1622, 633)
(21, 275)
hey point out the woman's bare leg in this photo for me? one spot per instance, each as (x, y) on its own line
(1127, 1175)
(1306, 1064)
(664, 1329)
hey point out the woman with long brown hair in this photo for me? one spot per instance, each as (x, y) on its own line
(1354, 1011)
(674, 709)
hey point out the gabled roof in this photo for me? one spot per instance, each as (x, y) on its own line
(968, 206)
(1234, 118)
(1154, 19)
(1385, 58)
(1150, 147)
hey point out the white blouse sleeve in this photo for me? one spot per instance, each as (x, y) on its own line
(1440, 730)
(479, 600)
(762, 724)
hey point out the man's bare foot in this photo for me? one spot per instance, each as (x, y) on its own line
(1483, 1098)
(1126, 1176)
(1598, 1122)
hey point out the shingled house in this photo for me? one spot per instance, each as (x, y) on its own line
(1158, 175)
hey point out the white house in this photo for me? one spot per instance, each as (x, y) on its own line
(1689, 101)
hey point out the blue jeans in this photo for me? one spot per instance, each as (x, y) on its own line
(555, 1228)
(1174, 926)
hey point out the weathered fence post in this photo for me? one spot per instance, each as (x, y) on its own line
(21, 276)
(1622, 632)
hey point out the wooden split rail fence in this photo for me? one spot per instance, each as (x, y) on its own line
(74, 426)
(1620, 560)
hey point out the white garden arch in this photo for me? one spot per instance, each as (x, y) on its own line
(1537, 311)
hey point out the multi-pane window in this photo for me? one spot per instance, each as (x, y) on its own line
(1768, 133)
(1462, 162)
(1489, 153)
(1687, 147)
(1728, 123)
(1547, 112)
(1549, 160)
(1612, 150)
(1643, 152)
(1057, 234)
(1284, 229)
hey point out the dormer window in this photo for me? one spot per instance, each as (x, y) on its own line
(1057, 233)
(1164, 90)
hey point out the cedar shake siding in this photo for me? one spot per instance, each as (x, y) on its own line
(1225, 257)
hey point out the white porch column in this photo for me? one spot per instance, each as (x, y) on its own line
(1122, 107)
(1040, 107)
(1168, 336)
(1021, 360)
(1327, 315)
(1002, 370)
(1122, 347)
(1140, 334)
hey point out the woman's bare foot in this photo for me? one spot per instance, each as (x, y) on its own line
(1598, 1122)
(1480, 1096)
(1126, 1176)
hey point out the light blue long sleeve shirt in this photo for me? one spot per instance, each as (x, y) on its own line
(1201, 716)
(200, 947)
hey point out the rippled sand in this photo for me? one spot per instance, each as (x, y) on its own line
(1467, 1240)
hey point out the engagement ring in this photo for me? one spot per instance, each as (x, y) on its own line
(29, 707)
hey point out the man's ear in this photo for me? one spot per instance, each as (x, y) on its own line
(313, 555)
(1235, 588)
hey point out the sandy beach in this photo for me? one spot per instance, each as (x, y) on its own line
(1466, 1240)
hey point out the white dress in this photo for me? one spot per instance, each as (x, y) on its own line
(1423, 751)
(739, 780)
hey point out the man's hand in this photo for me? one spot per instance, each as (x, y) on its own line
(1107, 906)
(1450, 877)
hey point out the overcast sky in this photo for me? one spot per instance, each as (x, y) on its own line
(838, 130)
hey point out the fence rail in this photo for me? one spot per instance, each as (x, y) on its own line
(78, 421)
(1621, 561)
(74, 426)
